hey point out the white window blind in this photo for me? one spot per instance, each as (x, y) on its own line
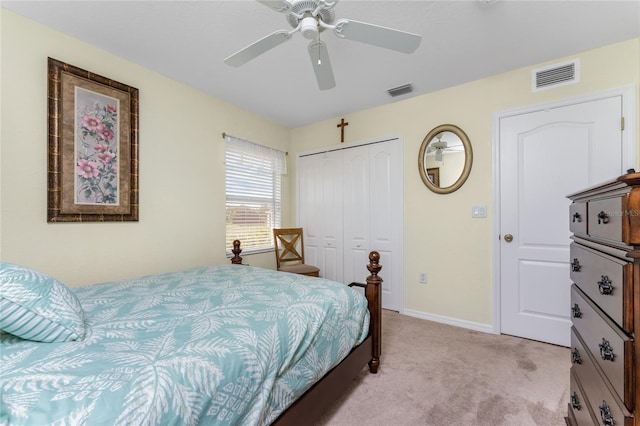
(253, 175)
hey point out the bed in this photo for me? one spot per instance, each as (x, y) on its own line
(225, 344)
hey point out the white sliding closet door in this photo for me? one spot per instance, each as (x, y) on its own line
(320, 202)
(357, 195)
(386, 214)
(350, 201)
(309, 183)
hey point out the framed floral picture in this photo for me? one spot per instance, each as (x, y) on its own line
(93, 147)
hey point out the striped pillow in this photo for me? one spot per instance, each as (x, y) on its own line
(36, 307)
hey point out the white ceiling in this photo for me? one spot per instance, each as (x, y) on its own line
(462, 41)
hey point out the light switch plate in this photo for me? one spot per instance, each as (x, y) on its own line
(479, 211)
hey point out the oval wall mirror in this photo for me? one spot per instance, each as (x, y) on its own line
(445, 159)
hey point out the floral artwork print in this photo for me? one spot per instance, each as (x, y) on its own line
(97, 170)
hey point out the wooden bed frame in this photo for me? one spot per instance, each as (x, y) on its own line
(313, 403)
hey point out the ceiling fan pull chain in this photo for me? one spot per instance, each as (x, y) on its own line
(319, 61)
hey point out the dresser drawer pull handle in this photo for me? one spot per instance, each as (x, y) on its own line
(575, 265)
(606, 351)
(575, 401)
(605, 414)
(604, 285)
(577, 217)
(575, 356)
(602, 217)
(575, 309)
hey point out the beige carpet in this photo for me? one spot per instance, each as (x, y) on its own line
(436, 374)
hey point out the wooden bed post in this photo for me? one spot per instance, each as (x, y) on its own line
(236, 259)
(372, 293)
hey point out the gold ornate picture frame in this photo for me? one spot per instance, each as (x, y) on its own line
(93, 147)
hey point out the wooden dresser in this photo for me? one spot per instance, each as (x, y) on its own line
(605, 304)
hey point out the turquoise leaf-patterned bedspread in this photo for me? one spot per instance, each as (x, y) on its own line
(226, 344)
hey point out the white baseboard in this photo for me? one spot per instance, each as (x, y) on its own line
(485, 328)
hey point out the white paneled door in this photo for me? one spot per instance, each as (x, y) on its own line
(544, 156)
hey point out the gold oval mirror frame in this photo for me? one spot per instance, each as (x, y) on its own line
(446, 137)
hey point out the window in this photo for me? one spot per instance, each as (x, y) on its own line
(253, 175)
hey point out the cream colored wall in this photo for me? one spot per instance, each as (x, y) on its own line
(440, 237)
(182, 196)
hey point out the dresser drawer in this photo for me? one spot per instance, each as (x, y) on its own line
(579, 407)
(602, 401)
(578, 218)
(606, 280)
(611, 348)
(605, 218)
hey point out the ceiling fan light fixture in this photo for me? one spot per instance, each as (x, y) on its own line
(309, 28)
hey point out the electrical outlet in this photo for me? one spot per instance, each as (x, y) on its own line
(422, 277)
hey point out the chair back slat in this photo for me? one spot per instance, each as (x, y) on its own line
(289, 245)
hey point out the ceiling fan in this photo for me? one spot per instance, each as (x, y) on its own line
(311, 17)
(439, 146)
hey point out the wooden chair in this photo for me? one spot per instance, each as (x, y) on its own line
(290, 252)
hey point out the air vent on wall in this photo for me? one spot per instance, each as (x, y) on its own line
(401, 90)
(556, 75)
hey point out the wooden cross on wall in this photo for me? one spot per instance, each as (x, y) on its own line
(341, 125)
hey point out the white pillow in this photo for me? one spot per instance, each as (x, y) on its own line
(36, 307)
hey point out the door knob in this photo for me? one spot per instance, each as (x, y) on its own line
(508, 238)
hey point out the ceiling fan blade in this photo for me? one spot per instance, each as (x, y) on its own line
(256, 49)
(321, 64)
(376, 35)
(281, 6)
